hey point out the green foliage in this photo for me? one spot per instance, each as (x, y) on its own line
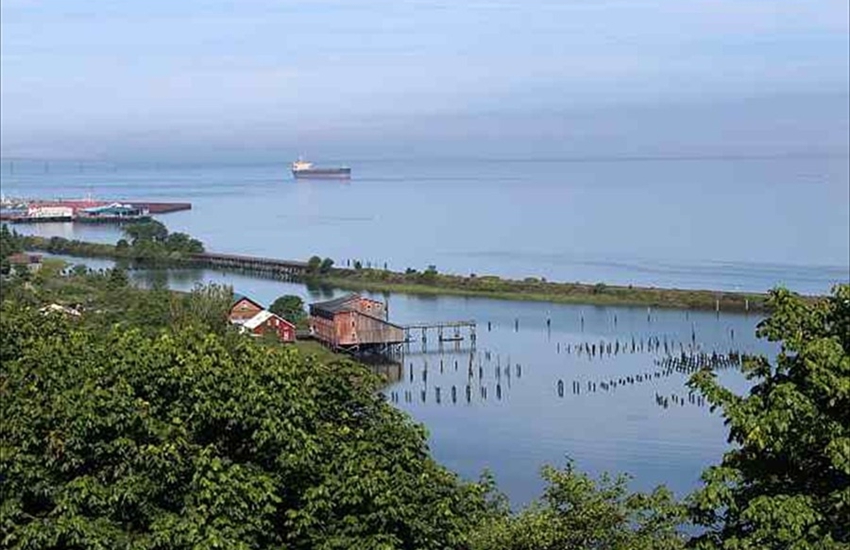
(326, 266)
(115, 439)
(150, 243)
(577, 512)
(206, 304)
(786, 483)
(151, 231)
(290, 308)
(22, 272)
(118, 278)
(313, 264)
(10, 242)
(181, 242)
(429, 276)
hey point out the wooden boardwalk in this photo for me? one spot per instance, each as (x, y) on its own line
(272, 266)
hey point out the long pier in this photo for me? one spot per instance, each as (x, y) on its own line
(270, 266)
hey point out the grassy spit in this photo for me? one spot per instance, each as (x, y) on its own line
(430, 282)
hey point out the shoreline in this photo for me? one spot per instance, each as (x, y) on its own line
(599, 294)
(434, 284)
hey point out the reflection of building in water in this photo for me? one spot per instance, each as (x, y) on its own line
(383, 365)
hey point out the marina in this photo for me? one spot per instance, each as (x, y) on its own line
(86, 210)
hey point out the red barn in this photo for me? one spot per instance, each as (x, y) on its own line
(353, 322)
(243, 308)
(266, 322)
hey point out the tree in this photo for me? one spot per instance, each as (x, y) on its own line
(183, 243)
(786, 482)
(289, 307)
(118, 278)
(207, 305)
(577, 512)
(185, 439)
(152, 230)
(9, 242)
(313, 264)
(326, 266)
(429, 276)
(22, 272)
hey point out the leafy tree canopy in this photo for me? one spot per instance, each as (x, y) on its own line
(289, 307)
(314, 263)
(114, 439)
(786, 483)
(151, 230)
(578, 512)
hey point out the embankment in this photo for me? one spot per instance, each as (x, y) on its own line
(432, 283)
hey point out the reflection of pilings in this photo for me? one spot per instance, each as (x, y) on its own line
(683, 364)
(648, 344)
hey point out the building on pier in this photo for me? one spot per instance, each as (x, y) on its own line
(354, 322)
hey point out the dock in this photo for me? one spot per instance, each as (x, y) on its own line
(270, 266)
(84, 210)
(447, 331)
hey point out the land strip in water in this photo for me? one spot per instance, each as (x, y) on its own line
(429, 282)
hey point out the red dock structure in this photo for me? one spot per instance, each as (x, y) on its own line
(355, 323)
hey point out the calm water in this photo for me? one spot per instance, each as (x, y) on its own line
(727, 224)
(745, 224)
(515, 419)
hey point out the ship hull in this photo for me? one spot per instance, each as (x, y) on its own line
(322, 173)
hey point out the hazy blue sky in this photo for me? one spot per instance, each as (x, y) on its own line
(255, 78)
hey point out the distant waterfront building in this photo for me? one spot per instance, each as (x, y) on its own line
(113, 212)
(266, 322)
(353, 322)
(252, 317)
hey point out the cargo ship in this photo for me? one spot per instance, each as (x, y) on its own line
(302, 169)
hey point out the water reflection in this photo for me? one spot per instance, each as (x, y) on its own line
(546, 380)
(468, 377)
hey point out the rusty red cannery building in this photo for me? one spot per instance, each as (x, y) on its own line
(354, 322)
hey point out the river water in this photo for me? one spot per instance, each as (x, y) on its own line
(734, 224)
(516, 417)
(532, 398)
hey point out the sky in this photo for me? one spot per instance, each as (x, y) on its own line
(250, 79)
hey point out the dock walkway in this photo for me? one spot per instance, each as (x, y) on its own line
(272, 266)
(453, 326)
